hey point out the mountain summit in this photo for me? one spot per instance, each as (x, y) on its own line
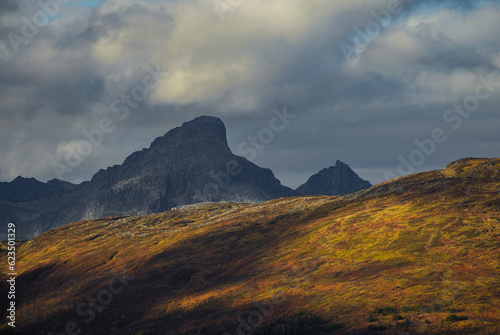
(204, 132)
(335, 180)
(189, 164)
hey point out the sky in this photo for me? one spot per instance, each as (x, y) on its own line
(389, 87)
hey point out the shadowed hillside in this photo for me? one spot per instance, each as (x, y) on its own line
(416, 255)
(189, 164)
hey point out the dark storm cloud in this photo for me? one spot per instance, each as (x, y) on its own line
(8, 6)
(443, 54)
(256, 58)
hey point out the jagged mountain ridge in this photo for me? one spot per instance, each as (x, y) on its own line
(189, 164)
(335, 180)
(29, 189)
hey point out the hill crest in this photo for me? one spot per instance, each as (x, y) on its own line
(421, 248)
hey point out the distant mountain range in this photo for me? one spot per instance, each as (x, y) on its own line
(29, 189)
(189, 164)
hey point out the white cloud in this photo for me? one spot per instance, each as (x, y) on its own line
(261, 55)
(438, 56)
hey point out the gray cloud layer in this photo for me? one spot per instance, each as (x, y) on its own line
(240, 63)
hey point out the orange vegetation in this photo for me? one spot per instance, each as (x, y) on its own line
(416, 255)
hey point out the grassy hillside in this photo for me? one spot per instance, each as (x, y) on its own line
(416, 255)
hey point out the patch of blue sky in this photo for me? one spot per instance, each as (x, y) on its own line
(89, 3)
(464, 6)
(95, 3)
(429, 7)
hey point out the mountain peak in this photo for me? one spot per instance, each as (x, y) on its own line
(200, 132)
(206, 127)
(28, 189)
(340, 164)
(19, 179)
(204, 120)
(191, 163)
(335, 180)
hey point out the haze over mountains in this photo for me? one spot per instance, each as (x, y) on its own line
(189, 164)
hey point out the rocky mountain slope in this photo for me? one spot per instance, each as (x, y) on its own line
(335, 180)
(189, 164)
(415, 255)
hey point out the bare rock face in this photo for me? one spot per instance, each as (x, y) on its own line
(335, 180)
(187, 165)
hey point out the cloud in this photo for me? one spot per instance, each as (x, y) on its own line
(239, 64)
(8, 6)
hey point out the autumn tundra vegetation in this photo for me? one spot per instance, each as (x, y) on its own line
(415, 255)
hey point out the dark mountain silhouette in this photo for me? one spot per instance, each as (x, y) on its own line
(189, 164)
(335, 180)
(29, 189)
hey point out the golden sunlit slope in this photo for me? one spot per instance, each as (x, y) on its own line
(416, 255)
